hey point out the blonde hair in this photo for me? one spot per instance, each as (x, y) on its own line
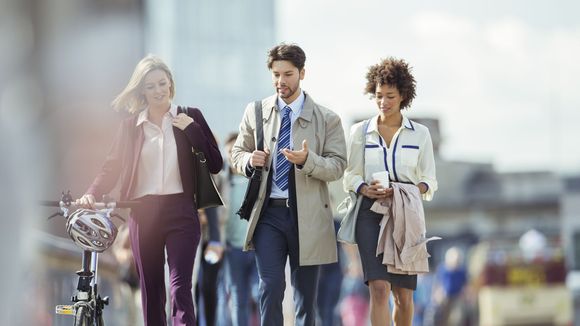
(130, 98)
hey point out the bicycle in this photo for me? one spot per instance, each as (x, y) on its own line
(93, 231)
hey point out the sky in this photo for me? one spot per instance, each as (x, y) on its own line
(499, 75)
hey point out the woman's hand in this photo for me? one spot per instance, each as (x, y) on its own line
(181, 121)
(86, 201)
(423, 187)
(376, 191)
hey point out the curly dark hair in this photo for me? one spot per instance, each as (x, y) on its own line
(393, 72)
(289, 52)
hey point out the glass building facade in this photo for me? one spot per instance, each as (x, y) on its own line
(217, 50)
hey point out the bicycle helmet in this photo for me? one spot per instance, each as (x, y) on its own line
(91, 230)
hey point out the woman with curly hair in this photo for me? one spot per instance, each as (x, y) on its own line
(402, 149)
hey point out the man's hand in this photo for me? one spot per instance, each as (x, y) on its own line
(259, 158)
(297, 157)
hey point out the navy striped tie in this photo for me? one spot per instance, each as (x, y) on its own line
(282, 164)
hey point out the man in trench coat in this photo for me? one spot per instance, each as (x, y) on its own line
(292, 217)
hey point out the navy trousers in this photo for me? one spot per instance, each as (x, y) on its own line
(165, 222)
(275, 239)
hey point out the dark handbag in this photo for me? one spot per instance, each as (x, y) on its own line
(251, 196)
(206, 193)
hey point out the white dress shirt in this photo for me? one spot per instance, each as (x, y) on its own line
(409, 159)
(296, 108)
(158, 169)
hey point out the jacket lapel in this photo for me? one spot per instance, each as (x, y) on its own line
(137, 145)
(181, 144)
(185, 157)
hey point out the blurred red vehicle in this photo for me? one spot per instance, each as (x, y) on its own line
(519, 287)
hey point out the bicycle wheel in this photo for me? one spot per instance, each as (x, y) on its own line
(82, 317)
(99, 321)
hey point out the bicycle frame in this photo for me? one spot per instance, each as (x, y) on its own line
(87, 291)
(88, 306)
(88, 285)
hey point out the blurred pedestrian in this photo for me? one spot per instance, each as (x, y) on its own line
(422, 298)
(402, 149)
(152, 156)
(128, 273)
(292, 217)
(210, 266)
(354, 298)
(331, 275)
(449, 283)
(240, 272)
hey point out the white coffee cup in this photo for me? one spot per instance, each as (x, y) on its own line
(382, 177)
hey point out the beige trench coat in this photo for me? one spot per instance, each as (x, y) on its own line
(326, 162)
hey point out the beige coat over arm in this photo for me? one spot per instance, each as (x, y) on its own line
(326, 162)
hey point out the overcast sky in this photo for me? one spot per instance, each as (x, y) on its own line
(502, 76)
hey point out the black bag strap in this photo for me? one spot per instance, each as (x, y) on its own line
(259, 126)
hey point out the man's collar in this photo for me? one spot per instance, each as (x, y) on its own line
(296, 105)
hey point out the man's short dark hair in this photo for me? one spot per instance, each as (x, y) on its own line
(288, 52)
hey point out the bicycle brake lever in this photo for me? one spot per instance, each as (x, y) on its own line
(55, 215)
(118, 216)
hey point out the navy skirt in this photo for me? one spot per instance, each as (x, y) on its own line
(367, 235)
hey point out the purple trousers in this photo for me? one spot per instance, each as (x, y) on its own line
(165, 222)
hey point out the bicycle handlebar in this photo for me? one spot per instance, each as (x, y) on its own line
(97, 205)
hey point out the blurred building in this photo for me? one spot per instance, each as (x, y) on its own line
(485, 213)
(476, 202)
(217, 50)
(571, 221)
(86, 53)
(571, 237)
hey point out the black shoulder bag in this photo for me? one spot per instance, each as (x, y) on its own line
(206, 194)
(251, 195)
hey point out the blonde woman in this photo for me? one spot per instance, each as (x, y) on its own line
(396, 146)
(152, 156)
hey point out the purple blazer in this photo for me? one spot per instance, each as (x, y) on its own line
(123, 158)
